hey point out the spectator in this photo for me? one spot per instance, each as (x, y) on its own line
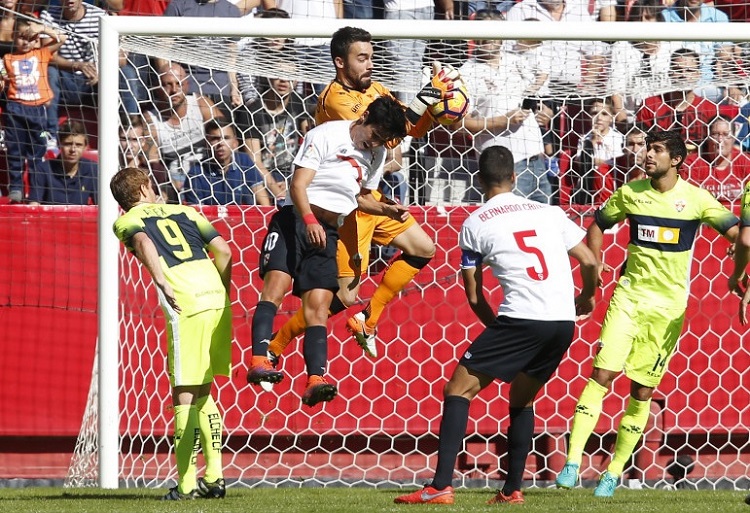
(600, 146)
(631, 164)
(11, 9)
(7, 26)
(273, 127)
(265, 51)
(394, 186)
(638, 68)
(566, 74)
(28, 95)
(227, 176)
(177, 124)
(406, 54)
(736, 94)
(498, 120)
(627, 167)
(694, 11)
(682, 108)
(143, 7)
(137, 149)
(70, 179)
(219, 86)
(74, 83)
(315, 52)
(358, 10)
(534, 59)
(721, 168)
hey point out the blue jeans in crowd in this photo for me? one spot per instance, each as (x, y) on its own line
(24, 125)
(358, 9)
(531, 179)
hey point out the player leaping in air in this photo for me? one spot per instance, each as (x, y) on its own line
(345, 98)
(336, 170)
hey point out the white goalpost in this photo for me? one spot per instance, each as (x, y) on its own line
(382, 430)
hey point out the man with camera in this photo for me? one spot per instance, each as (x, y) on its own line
(502, 117)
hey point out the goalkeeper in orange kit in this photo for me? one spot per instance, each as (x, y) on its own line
(346, 97)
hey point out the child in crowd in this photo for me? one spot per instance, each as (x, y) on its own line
(28, 93)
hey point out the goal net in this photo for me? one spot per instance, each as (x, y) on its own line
(382, 428)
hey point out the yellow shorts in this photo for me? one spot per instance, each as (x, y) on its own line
(639, 339)
(356, 235)
(199, 347)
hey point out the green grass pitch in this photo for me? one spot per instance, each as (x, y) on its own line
(364, 500)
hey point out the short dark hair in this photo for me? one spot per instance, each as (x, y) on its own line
(345, 37)
(496, 165)
(683, 52)
(673, 141)
(217, 125)
(70, 128)
(646, 8)
(134, 121)
(389, 115)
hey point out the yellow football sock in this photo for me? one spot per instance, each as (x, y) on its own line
(586, 415)
(395, 278)
(632, 424)
(294, 326)
(186, 442)
(211, 427)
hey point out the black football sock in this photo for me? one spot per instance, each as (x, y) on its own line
(262, 326)
(315, 350)
(452, 432)
(520, 432)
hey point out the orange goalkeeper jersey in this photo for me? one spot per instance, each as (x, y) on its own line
(340, 102)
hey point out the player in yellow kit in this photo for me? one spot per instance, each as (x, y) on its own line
(738, 279)
(646, 313)
(171, 241)
(347, 97)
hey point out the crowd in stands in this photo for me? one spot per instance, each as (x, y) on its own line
(574, 114)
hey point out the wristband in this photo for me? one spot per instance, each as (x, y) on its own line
(310, 219)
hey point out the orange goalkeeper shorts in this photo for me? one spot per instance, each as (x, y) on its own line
(358, 232)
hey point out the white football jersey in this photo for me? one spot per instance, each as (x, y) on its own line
(526, 244)
(341, 170)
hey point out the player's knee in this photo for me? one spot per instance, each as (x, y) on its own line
(348, 290)
(604, 377)
(462, 388)
(275, 286)
(426, 250)
(347, 297)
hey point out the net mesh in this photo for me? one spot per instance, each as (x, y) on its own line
(382, 428)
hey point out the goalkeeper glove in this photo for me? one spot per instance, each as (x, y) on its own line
(429, 95)
(447, 77)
